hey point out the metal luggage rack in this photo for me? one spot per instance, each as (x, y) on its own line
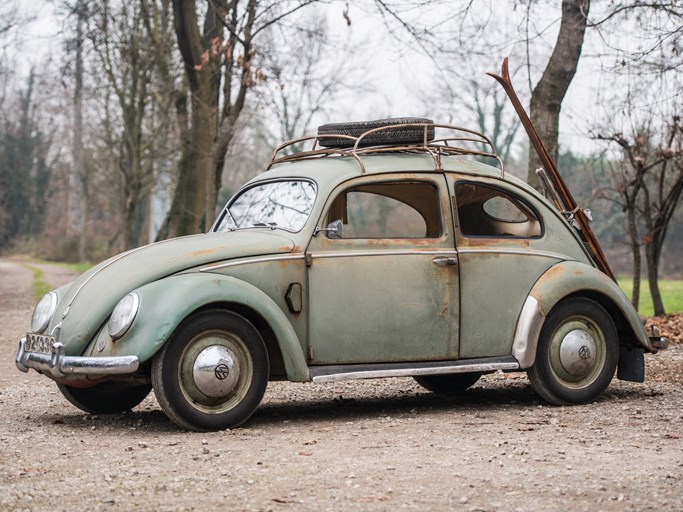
(452, 146)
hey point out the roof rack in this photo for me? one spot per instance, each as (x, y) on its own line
(453, 145)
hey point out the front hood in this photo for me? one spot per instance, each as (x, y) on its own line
(92, 297)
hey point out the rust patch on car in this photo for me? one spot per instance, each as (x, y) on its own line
(203, 252)
(555, 272)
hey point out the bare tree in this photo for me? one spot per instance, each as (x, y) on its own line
(80, 179)
(304, 84)
(547, 96)
(649, 184)
(129, 43)
(221, 68)
(490, 106)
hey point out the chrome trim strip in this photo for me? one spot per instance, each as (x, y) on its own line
(253, 260)
(527, 333)
(114, 260)
(57, 365)
(435, 252)
(525, 252)
(417, 371)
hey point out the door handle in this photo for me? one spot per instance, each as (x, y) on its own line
(442, 261)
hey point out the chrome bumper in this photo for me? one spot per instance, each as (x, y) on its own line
(657, 341)
(57, 365)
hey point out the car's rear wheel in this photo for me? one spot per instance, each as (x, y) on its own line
(212, 373)
(449, 383)
(577, 353)
(105, 398)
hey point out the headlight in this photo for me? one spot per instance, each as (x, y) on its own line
(43, 312)
(123, 315)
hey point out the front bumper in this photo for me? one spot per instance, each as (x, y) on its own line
(58, 365)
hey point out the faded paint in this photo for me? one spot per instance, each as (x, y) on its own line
(571, 277)
(105, 286)
(163, 312)
(358, 308)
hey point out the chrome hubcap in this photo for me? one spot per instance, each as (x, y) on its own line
(216, 371)
(578, 352)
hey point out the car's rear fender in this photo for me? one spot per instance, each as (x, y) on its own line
(164, 304)
(572, 278)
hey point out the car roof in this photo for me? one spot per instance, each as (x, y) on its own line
(332, 170)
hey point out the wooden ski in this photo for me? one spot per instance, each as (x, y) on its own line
(568, 203)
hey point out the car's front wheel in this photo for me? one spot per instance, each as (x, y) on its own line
(106, 397)
(577, 353)
(212, 373)
(449, 383)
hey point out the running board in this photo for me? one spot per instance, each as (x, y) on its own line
(376, 371)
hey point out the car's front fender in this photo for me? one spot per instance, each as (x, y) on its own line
(560, 281)
(165, 303)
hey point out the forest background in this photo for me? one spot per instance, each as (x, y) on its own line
(122, 123)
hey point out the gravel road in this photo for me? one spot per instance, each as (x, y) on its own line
(366, 445)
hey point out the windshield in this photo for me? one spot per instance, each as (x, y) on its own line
(278, 204)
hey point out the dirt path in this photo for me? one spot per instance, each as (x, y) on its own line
(367, 445)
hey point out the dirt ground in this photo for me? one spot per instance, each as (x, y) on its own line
(366, 445)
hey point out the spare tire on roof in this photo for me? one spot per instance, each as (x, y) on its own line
(407, 135)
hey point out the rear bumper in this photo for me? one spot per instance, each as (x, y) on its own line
(658, 342)
(58, 365)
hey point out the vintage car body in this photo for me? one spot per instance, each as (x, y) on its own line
(217, 315)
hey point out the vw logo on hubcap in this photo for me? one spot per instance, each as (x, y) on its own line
(221, 371)
(584, 352)
(577, 352)
(216, 371)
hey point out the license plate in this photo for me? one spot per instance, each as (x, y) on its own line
(39, 343)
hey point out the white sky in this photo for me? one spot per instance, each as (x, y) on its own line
(405, 79)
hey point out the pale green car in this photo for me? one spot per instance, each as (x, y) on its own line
(394, 257)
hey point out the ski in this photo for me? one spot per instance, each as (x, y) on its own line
(568, 203)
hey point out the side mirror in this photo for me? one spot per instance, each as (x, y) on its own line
(334, 229)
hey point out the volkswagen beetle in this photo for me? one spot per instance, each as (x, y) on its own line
(384, 250)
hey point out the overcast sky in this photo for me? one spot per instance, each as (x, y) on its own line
(406, 82)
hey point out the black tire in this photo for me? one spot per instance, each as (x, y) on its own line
(448, 383)
(105, 398)
(577, 353)
(409, 135)
(212, 373)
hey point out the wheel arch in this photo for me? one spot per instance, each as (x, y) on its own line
(166, 303)
(278, 370)
(574, 279)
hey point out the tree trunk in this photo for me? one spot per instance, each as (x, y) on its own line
(637, 261)
(189, 200)
(653, 278)
(77, 147)
(546, 99)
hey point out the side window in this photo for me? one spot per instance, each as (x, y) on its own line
(488, 211)
(388, 210)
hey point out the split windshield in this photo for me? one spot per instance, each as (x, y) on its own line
(278, 204)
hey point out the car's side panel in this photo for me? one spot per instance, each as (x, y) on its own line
(498, 272)
(274, 278)
(384, 299)
(166, 303)
(494, 287)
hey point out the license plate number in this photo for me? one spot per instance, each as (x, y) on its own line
(39, 343)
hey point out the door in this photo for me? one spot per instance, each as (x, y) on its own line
(385, 288)
(502, 252)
